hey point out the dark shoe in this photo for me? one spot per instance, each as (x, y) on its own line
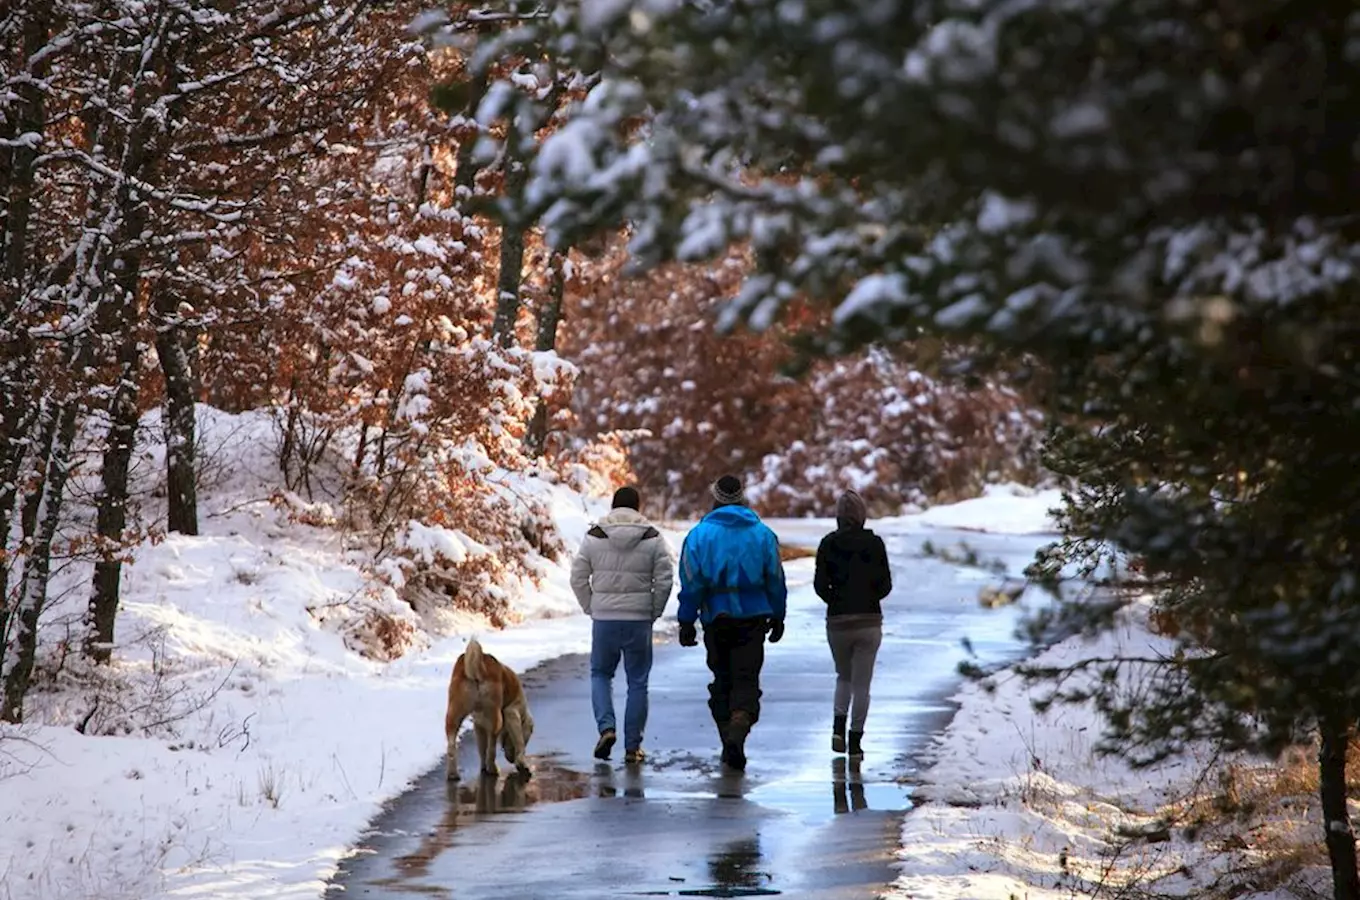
(734, 747)
(634, 757)
(734, 756)
(856, 751)
(838, 734)
(605, 743)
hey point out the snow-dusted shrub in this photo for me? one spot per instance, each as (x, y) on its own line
(693, 404)
(389, 390)
(596, 465)
(393, 403)
(899, 437)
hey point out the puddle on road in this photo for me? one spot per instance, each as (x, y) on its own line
(813, 800)
(785, 814)
(737, 870)
(472, 799)
(817, 801)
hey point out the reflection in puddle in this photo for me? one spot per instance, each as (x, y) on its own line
(845, 782)
(735, 865)
(740, 868)
(487, 796)
(735, 871)
(850, 793)
(607, 782)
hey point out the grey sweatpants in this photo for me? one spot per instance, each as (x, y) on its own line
(854, 650)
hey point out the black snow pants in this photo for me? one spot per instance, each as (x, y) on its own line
(736, 653)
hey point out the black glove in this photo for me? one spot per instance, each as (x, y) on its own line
(776, 630)
(689, 635)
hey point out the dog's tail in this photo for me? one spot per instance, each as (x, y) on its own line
(472, 661)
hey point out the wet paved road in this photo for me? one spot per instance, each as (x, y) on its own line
(799, 823)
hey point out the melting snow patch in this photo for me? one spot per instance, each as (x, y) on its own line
(869, 296)
(1000, 213)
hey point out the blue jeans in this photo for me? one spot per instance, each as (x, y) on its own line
(632, 641)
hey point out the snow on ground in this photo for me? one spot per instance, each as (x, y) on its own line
(282, 740)
(1015, 804)
(1012, 804)
(1003, 509)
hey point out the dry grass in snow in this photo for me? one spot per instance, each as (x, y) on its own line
(1016, 805)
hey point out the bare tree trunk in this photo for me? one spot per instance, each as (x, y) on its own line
(18, 170)
(38, 565)
(178, 417)
(549, 316)
(508, 285)
(360, 452)
(28, 119)
(104, 266)
(111, 518)
(466, 169)
(509, 281)
(423, 176)
(28, 481)
(119, 318)
(1335, 731)
(18, 413)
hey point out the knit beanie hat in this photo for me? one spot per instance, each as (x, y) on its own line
(727, 491)
(851, 510)
(627, 497)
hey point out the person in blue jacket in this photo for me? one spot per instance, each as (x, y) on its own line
(731, 580)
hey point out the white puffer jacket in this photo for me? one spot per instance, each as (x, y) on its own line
(623, 570)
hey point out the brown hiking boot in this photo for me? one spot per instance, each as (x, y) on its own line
(605, 743)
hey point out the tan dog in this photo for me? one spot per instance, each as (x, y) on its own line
(484, 688)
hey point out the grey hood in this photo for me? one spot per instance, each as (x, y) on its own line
(623, 570)
(624, 529)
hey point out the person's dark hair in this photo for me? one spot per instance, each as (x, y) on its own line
(728, 491)
(627, 497)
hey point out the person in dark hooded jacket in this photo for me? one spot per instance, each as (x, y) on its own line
(852, 577)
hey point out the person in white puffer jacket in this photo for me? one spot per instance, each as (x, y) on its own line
(622, 578)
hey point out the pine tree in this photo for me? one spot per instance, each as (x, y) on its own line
(1154, 197)
(1236, 497)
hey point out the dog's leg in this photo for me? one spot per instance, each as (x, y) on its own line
(494, 724)
(453, 723)
(526, 734)
(510, 740)
(486, 747)
(514, 743)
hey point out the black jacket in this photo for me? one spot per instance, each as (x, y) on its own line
(852, 572)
